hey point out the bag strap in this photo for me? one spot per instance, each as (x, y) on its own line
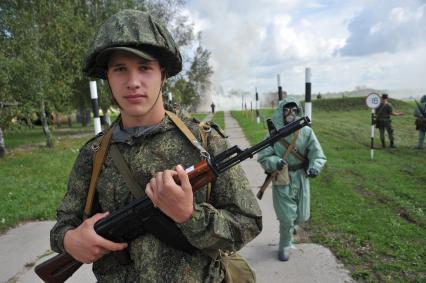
(124, 169)
(204, 128)
(188, 134)
(293, 151)
(291, 146)
(101, 152)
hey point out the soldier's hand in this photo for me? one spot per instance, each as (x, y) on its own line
(84, 245)
(280, 164)
(176, 201)
(312, 173)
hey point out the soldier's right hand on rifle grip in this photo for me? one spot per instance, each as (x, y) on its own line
(84, 245)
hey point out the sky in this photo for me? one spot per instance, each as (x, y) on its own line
(378, 44)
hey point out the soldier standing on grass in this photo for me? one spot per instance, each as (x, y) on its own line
(384, 122)
(291, 161)
(420, 114)
(135, 55)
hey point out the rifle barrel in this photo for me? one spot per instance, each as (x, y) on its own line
(224, 161)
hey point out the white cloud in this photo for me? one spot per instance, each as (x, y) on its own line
(377, 43)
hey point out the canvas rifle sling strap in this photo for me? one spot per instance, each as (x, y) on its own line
(292, 150)
(100, 155)
(124, 169)
(204, 128)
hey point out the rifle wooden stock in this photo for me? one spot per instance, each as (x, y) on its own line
(58, 268)
(265, 185)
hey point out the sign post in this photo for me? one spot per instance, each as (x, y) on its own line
(95, 107)
(308, 89)
(372, 101)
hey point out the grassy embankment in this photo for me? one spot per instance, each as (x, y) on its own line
(370, 213)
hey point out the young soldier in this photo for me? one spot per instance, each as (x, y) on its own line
(302, 155)
(135, 55)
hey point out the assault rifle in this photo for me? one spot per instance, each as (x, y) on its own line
(140, 216)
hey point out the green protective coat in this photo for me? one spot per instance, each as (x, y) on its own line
(292, 202)
(228, 221)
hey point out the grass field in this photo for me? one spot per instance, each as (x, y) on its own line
(370, 213)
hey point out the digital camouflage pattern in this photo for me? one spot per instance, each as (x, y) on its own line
(420, 113)
(230, 220)
(292, 202)
(136, 29)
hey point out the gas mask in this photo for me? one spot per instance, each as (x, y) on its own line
(290, 113)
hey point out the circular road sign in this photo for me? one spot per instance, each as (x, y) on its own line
(373, 100)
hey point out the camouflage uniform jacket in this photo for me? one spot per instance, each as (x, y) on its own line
(228, 221)
(383, 112)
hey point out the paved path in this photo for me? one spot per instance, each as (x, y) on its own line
(27, 245)
(308, 262)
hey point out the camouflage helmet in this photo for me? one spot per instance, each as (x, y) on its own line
(133, 31)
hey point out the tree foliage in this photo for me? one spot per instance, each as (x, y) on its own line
(43, 45)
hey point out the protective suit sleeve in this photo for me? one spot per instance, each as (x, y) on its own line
(268, 159)
(315, 153)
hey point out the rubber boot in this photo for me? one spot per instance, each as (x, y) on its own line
(284, 254)
(383, 143)
(392, 145)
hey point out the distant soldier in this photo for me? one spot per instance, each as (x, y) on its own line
(420, 114)
(383, 120)
(212, 106)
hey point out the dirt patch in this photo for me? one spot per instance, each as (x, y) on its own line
(302, 234)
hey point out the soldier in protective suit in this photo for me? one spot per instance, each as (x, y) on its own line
(135, 55)
(292, 161)
(420, 114)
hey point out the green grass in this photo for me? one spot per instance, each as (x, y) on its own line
(219, 119)
(24, 136)
(33, 181)
(199, 116)
(370, 213)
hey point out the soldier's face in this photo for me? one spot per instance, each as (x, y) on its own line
(136, 84)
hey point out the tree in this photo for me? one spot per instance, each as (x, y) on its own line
(45, 43)
(200, 71)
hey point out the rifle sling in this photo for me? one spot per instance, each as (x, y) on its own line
(188, 134)
(289, 151)
(122, 166)
(293, 151)
(124, 169)
(100, 155)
